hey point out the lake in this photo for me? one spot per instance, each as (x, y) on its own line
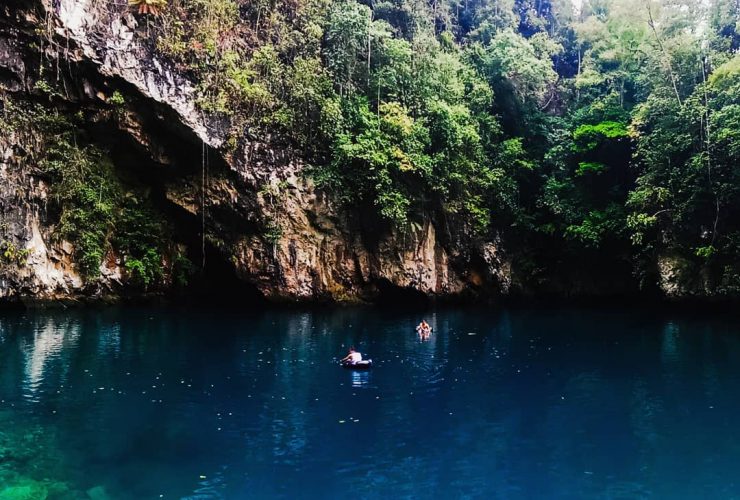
(516, 403)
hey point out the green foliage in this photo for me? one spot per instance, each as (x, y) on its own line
(588, 137)
(618, 125)
(182, 269)
(43, 86)
(117, 99)
(347, 37)
(97, 212)
(388, 147)
(525, 64)
(12, 255)
(590, 167)
(141, 236)
(258, 66)
(147, 270)
(705, 252)
(639, 224)
(598, 226)
(272, 232)
(88, 192)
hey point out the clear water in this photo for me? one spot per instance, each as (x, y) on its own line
(520, 403)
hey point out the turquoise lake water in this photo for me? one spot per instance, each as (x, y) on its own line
(514, 403)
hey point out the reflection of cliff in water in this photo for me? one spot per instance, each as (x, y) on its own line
(49, 339)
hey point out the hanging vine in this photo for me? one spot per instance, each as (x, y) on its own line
(203, 201)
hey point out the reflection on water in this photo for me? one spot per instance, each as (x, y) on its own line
(47, 343)
(360, 378)
(510, 404)
(669, 350)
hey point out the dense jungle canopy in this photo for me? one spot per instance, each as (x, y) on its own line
(607, 127)
(594, 136)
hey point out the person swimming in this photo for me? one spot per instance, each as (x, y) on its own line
(424, 329)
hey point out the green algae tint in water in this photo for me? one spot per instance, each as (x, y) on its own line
(520, 403)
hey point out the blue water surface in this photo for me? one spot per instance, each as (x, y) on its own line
(498, 403)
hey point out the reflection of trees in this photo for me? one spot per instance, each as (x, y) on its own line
(285, 418)
(278, 359)
(646, 413)
(669, 344)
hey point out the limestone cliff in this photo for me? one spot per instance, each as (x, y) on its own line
(31, 266)
(232, 200)
(252, 207)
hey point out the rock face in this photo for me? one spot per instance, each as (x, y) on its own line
(248, 206)
(109, 43)
(681, 278)
(34, 266)
(317, 256)
(253, 208)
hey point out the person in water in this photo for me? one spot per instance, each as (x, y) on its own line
(352, 357)
(424, 329)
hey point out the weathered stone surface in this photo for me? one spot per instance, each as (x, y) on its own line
(317, 257)
(680, 278)
(13, 74)
(111, 45)
(46, 271)
(316, 253)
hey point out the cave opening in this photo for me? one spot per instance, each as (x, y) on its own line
(172, 154)
(393, 296)
(217, 284)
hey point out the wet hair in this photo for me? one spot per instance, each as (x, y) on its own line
(352, 348)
